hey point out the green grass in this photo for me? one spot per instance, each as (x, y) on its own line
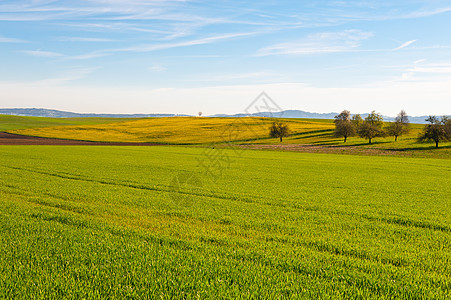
(8, 122)
(193, 130)
(91, 222)
(177, 130)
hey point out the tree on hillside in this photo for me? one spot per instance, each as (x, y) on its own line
(279, 130)
(437, 130)
(371, 127)
(357, 120)
(448, 127)
(343, 125)
(400, 126)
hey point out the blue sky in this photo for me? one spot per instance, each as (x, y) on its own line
(155, 56)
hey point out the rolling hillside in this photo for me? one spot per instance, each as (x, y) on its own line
(180, 130)
(203, 131)
(8, 122)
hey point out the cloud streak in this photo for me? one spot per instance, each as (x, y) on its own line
(165, 46)
(11, 40)
(39, 53)
(68, 76)
(404, 45)
(327, 42)
(84, 39)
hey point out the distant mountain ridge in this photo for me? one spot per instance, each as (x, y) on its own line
(52, 113)
(309, 115)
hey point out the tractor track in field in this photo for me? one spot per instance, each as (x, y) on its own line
(17, 139)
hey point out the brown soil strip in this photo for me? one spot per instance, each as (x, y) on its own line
(17, 139)
(325, 149)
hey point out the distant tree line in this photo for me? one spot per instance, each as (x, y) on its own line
(373, 126)
(347, 125)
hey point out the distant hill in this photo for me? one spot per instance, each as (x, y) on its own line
(308, 115)
(52, 113)
(300, 114)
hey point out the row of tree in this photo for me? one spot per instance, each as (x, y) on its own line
(373, 126)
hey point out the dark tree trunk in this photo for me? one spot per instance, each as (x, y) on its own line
(369, 140)
(345, 138)
(281, 139)
(396, 138)
(436, 144)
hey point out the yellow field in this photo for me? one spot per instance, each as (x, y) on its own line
(195, 130)
(180, 130)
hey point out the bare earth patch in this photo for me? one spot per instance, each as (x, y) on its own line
(17, 139)
(325, 149)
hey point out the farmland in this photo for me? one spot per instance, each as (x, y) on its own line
(108, 222)
(178, 130)
(8, 122)
(251, 132)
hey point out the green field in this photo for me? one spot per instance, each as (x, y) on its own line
(178, 130)
(201, 131)
(108, 222)
(8, 122)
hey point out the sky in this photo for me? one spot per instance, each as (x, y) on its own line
(182, 57)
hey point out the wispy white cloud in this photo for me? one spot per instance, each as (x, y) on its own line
(144, 47)
(327, 42)
(200, 56)
(157, 68)
(200, 41)
(84, 39)
(426, 72)
(11, 40)
(165, 46)
(40, 53)
(87, 56)
(141, 48)
(442, 68)
(404, 45)
(263, 75)
(68, 76)
(426, 12)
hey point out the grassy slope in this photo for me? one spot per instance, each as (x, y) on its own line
(178, 130)
(275, 224)
(8, 123)
(191, 130)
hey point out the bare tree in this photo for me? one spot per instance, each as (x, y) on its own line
(437, 130)
(371, 127)
(343, 125)
(400, 126)
(279, 130)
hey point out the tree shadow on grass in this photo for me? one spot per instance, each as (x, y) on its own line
(334, 143)
(418, 148)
